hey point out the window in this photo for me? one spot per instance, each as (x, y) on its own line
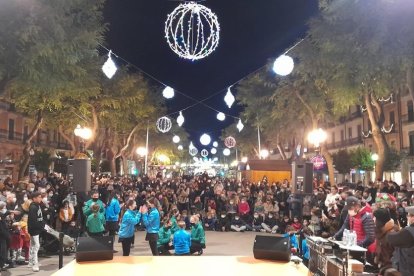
(11, 129)
(359, 131)
(350, 132)
(25, 132)
(411, 143)
(410, 109)
(392, 118)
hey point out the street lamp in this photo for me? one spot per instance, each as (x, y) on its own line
(375, 157)
(264, 153)
(317, 136)
(83, 133)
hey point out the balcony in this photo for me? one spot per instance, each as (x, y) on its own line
(345, 143)
(407, 118)
(16, 138)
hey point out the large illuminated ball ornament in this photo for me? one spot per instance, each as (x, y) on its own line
(226, 152)
(180, 147)
(213, 151)
(193, 151)
(205, 139)
(215, 144)
(204, 153)
(176, 139)
(192, 31)
(230, 142)
(283, 65)
(221, 116)
(164, 124)
(168, 92)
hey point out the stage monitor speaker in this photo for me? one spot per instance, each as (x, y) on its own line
(94, 249)
(272, 248)
(79, 171)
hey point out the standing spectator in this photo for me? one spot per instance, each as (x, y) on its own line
(182, 240)
(198, 238)
(384, 225)
(4, 236)
(151, 219)
(65, 215)
(127, 229)
(36, 226)
(95, 222)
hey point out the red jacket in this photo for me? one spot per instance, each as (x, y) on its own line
(244, 208)
(364, 226)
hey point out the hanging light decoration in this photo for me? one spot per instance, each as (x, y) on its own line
(229, 98)
(176, 139)
(180, 119)
(283, 65)
(164, 124)
(204, 153)
(193, 151)
(240, 125)
(192, 31)
(168, 92)
(221, 116)
(230, 142)
(226, 152)
(109, 67)
(180, 147)
(205, 139)
(215, 144)
(213, 151)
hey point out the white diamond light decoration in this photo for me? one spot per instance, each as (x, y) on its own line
(180, 147)
(213, 151)
(240, 125)
(226, 152)
(168, 92)
(229, 98)
(205, 139)
(180, 119)
(283, 65)
(192, 31)
(215, 144)
(109, 67)
(230, 142)
(221, 116)
(176, 139)
(204, 153)
(164, 124)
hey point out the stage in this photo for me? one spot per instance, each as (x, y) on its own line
(186, 265)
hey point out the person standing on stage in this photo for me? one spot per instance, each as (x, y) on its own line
(360, 221)
(36, 226)
(403, 241)
(198, 237)
(112, 214)
(126, 232)
(151, 220)
(182, 240)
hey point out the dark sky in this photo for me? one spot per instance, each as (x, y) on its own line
(252, 31)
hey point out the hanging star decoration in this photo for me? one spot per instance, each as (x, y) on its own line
(192, 31)
(229, 98)
(109, 67)
(180, 119)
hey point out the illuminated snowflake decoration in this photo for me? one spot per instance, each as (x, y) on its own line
(192, 31)
(164, 124)
(230, 142)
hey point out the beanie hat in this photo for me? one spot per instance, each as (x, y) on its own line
(382, 216)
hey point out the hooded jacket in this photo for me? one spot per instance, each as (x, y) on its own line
(35, 222)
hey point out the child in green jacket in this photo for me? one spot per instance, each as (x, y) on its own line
(95, 222)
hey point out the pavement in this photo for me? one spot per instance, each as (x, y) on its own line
(217, 244)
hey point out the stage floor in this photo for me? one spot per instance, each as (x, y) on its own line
(186, 265)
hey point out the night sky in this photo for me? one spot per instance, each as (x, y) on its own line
(252, 31)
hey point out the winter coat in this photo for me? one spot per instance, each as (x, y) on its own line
(384, 249)
(151, 221)
(197, 234)
(35, 221)
(129, 220)
(112, 210)
(182, 242)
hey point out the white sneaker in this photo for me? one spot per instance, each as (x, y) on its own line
(31, 265)
(35, 268)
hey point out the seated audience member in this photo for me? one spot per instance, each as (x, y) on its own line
(283, 224)
(237, 224)
(182, 240)
(270, 223)
(257, 223)
(223, 223)
(244, 208)
(210, 222)
(296, 224)
(198, 238)
(164, 238)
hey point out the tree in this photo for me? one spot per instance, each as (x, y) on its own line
(42, 160)
(361, 158)
(48, 45)
(342, 161)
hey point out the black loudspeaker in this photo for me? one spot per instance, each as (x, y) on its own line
(302, 177)
(79, 171)
(272, 248)
(308, 183)
(94, 249)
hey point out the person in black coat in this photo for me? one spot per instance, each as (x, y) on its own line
(4, 236)
(36, 225)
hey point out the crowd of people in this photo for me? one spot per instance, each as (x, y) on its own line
(175, 213)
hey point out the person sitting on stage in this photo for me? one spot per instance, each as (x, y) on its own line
(198, 237)
(257, 223)
(290, 232)
(270, 224)
(182, 240)
(360, 221)
(237, 224)
(126, 232)
(95, 222)
(164, 238)
(383, 226)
